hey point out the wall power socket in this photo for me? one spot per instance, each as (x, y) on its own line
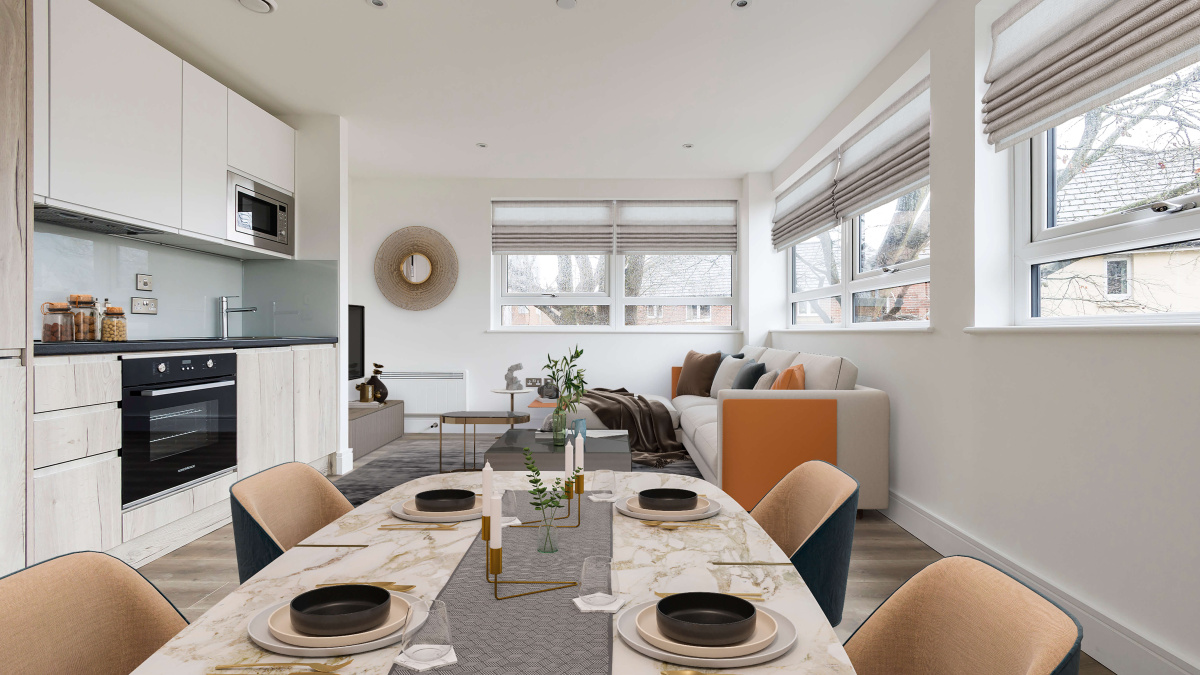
(143, 305)
(533, 382)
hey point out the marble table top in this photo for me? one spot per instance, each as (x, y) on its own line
(646, 559)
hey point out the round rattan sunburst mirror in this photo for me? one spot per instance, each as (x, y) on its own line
(429, 254)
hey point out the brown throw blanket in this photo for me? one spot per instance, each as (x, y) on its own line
(651, 433)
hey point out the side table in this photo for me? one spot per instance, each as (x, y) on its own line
(474, 418)
(512, 398)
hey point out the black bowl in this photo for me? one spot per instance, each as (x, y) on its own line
(445, 500)
(340, 610)
(667, 499)
(706, 619)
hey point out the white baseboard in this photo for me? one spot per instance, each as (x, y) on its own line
(1104, 639)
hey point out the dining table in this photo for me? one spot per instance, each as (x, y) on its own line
(645, 560)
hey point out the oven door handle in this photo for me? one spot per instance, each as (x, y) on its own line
(180, 390)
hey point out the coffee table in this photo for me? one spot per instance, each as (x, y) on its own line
(475, 418)
(599, 452)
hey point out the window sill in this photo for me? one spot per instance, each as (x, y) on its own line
(683, 330)
(1108, 329)
(857, 331)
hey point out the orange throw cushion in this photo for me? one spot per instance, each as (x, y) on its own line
(792, 378)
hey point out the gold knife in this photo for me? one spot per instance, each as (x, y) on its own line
(331, 545)
(752, 562)
(401, 588)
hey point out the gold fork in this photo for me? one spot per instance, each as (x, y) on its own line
(400, 588)
(318, 667)
(674, 526)
(419, 526)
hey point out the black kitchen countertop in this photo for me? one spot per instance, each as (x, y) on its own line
(175, 344)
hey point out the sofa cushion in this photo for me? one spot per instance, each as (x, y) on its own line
(748, 376)
(670, 407)
(766, 380)
(707, 440)
(826, 372)
(682, 403)
(753, 352)
(696, 377)
(792, 378)
(730, 367)
(696, 417)
(776, 359)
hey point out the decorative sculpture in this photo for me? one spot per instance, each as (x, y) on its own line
(381, 392)
(512, 382)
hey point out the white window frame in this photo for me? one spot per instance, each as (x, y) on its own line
(1128, 260)
(903, 274)
(1034, 243)
(615, 299)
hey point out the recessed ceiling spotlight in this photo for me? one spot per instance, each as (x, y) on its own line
(565, 4)
(377, 3)
(740, 4)
(687, 146)
(481, 145)
(260, 6)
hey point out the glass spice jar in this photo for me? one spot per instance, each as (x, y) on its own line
(113, 327)
(58, 323)
(87, 318)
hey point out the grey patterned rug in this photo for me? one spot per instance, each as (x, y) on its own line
(408, 459)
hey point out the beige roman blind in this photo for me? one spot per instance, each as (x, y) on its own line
(1056, 59)
(886, 156)
(552, 226)
(670, 226)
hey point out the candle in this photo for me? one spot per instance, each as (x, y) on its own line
(497, 516)
(579, 452)
(569, 461)
(487, 489)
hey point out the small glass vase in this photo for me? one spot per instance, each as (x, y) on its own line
(558, 424)
(546, 535)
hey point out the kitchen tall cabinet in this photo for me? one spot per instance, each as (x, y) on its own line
(12, 465)
(265, 424)
(116, 102)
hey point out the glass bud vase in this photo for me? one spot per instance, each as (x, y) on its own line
(546, 535)
(558, 424)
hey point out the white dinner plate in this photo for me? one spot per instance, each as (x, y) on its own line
(714, 507)
(260, 633)
(281, 627)
(785, 638)
(702, 506)
(765, 630)
(399, 510)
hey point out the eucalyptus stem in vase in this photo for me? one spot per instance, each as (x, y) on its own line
(547, 500)
(566, 374)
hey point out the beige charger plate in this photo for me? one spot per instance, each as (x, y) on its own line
(765, 629)
(280, 625)
(408, 511)
(702, 506)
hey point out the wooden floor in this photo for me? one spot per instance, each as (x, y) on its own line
(198, 575)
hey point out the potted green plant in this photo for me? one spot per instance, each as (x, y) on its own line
(566, 374)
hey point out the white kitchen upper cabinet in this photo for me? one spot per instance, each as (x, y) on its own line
(260, 145)
(116, 103)
(205, 143)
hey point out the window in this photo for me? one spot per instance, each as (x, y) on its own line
(889, 262)
(664, 264)
(1113, 233)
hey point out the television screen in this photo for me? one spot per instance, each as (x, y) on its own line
(357, 366)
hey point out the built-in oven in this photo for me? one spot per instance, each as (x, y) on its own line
(179, 423)
(260, 215)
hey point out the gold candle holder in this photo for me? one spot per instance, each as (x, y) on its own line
(494, 566)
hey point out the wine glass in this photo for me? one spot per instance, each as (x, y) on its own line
(510, 505)
(432, 641)
(597, 584)
(604, 481)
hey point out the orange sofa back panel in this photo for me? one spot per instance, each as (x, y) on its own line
(675, 371)
(763, 439)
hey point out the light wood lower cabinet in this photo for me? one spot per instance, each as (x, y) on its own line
(75, 381)
(315, 401)
(139, 521)
(77, 506)
(12, 465)
(65, 435)
(266, 422)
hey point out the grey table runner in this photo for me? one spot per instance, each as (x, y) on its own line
(542, 633)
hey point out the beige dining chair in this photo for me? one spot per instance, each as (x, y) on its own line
(810, 515)
(82, 614)
(275, 509)
(961, 615)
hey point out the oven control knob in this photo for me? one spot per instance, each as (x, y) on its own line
(209, 364)
(162, 367)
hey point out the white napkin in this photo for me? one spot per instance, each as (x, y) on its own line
(509, 521)
(448, 659)
(603, 497)
(610, 608)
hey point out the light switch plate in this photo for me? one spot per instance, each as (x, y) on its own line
(145, 282)
(533, 382)
(144, 305)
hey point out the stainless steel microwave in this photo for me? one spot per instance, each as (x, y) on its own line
(260, 216)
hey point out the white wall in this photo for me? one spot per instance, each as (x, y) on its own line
(1071, 456)
(455, 334)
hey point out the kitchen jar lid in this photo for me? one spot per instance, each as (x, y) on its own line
(113, 310)
(82, 299)
(55, 307)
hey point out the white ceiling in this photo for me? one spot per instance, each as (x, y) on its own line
(610, 89)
